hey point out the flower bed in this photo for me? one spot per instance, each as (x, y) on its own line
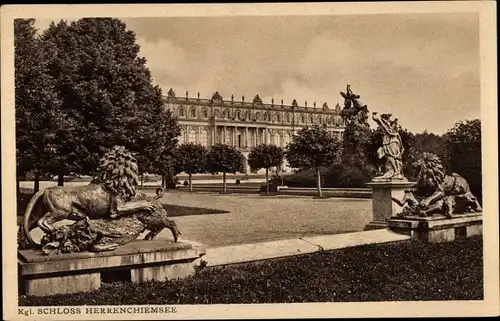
(386, 272)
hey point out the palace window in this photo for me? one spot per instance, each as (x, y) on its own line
(277, 139)
(311, 119)
(192, 136)
(227, 114)
(286, 138)
(287, 118)
(181, 137)
(266, 116)
(181, 111)
(302, 119)
(258, 116)
(220, 138)
(319, 119)
(204, 138)
(278, 118)
(205, 113)
(193, 112)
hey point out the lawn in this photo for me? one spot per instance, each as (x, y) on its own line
(400, 271)
(251, 218)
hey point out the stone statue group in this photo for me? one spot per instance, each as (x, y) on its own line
(392, 148)
(107, 212)
(435, 191)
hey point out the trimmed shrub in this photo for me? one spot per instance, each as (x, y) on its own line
(346, 175)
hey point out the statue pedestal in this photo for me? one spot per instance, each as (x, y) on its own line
(138, 261)
(438, 228)
(383, 206)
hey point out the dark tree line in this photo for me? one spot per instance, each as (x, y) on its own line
(459, 149)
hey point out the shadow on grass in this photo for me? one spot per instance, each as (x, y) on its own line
(172, 210)
(177, 210)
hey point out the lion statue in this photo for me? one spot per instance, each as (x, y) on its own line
(106, 234)
(110, 197)
(436, 192)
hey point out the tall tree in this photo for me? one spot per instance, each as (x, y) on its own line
(313, 147)
(39, 118)
(106, 89)
(225, 159)
(191, 160)
(265, 156)
(464, 153)
(356, 144)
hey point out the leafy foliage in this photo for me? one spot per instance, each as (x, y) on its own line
(345, 175)
(225, 159)
(312, 147)
(104, 97)
(305, 177)
(190, 158)
(463, 143)
(398, 271)
(40, 122)
(265, 156)
(430, 143)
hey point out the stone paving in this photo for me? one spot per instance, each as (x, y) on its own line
(275, 249)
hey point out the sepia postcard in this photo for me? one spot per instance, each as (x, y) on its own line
(270, 160)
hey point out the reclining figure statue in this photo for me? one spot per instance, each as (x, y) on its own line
(106, 209)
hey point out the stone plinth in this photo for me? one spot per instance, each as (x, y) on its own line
(382, 205)
(438, 228)
(142, 260)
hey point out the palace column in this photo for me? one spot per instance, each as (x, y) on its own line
(246, 137)
(235, 137)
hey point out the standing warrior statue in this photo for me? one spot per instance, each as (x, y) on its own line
(392, 148)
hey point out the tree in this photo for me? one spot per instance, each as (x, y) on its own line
(265, 156)
(157, 143)
(313, 147)
(191, 160)
(107, 91)
(463, 143)
(39, 118)
(225, 159)
(430, 143)
(356, 150)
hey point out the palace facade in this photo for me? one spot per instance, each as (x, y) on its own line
(246, 124)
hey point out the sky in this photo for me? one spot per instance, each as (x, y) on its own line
(421, 68)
